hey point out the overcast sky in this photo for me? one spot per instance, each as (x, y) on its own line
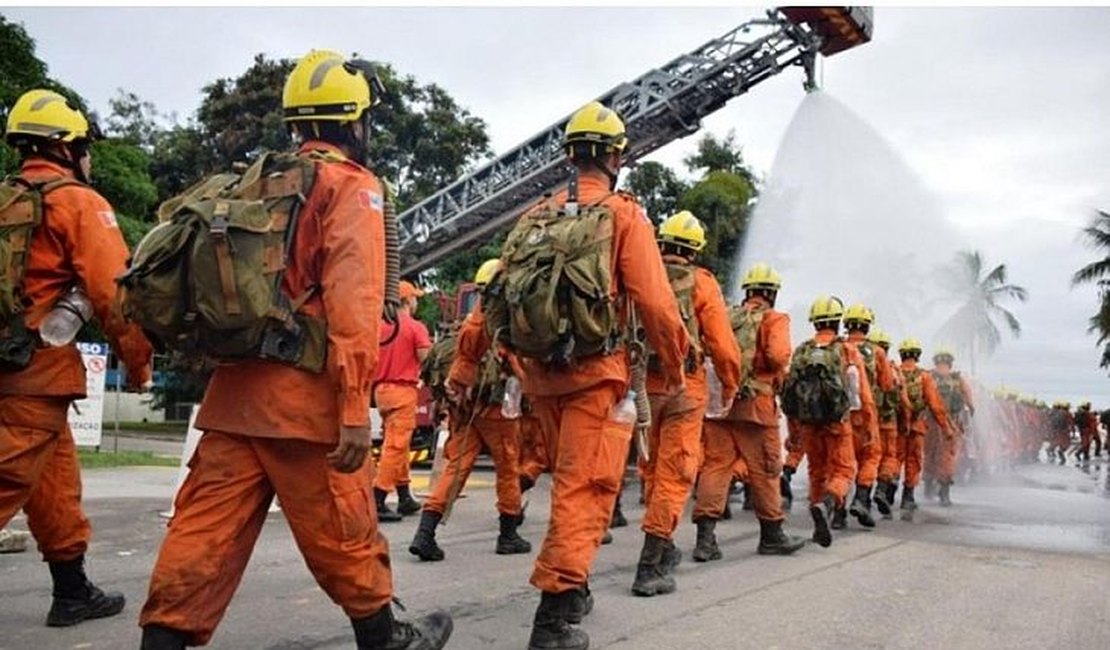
(1003, 114)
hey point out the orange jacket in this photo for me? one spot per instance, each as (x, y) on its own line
(78, 242)
(339, 246)
(715, 331)
(638, 273)
(770, 364)
(933, 402)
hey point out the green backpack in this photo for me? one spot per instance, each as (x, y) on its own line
(745, 328)
(815, 390)
(551, 299)
(437, 366)
(915, 390)
(949, 389)
(21, 212)
(682, 278)
(206, 281)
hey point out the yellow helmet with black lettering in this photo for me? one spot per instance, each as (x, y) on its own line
(325, 86)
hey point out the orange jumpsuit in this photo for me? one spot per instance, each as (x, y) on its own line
(948, 449)
(795, 450)
(396, 396)
(750, 433)
(533, 457)
(889, 465)
(911, 441)
(1087, 423)
(501, 437)
(676, 422)
(78, 242)
(269, 426)
(867, 444)
(829, 446)
(586, 450)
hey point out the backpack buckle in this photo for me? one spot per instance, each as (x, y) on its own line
(219, 225)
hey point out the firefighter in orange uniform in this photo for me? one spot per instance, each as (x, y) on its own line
(674, 439)
(1087, 423)
(275, 429)
(76, 245)
(578, 388)
(888, 403)
(956, 393)
(471, 430)
(396, 395)
(867, 435)
(921, 394)
(748, 430)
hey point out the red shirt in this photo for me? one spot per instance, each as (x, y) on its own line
(397, 362)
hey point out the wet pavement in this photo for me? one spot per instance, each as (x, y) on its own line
(1020, 561)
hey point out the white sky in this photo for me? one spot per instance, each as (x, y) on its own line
(1003, 113)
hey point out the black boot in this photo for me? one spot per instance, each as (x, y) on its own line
(526, 483)
(891, 491)
(748, 502)
(821, 513)
(406, 505)
(672, 557)
(581, 605)
(930, 488)
(726, 514)
(157, 637)
(75, 598)
(651, 579)
(381, 631)
(945, 499)
(785, 491)
(706, 548)
(618, 519)
(839, 519)
(861, 507)
(607, 538)
(509, 542)
(424, 544)
(772, 541)
(908, 503)
(385, 513)
(882, 501)
(551, 629)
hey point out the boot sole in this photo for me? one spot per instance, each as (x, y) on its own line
(702, 557)
(659, 591)
(427, 557)
(862, 516)
(53, 621)
(780, 550)
(882, 506)
(513, 550)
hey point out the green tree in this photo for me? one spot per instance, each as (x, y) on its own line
(657, 187)
(121, 173)
(722, 200)
(717, 154)
(242, 117)
(973, 327)
(1097, 235)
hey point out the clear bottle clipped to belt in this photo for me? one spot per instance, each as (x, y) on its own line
(63, 322)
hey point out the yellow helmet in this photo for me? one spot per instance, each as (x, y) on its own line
(909, 346)
(859, 313)
(486, 271)
(1086, 406)
(879, 337)
(594, 125)
(761, 276)
(943, 353)
(826, 308)
(46, 114)
(325, 86)
(683, 229)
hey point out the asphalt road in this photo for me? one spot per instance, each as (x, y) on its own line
(1020, 562)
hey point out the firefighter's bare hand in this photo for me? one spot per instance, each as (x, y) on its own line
(354, 445)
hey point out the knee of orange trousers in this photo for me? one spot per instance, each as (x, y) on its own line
(218, 514)
(720, 454)
(502, 438)
(460, 453)
(867, 457)
(914, 459)
(674, 465)
(54, 514)
(24, 454)
(831, 461)
(588, 459)
(794, 456)
(889, 464)
(761, 447)
(949, 458)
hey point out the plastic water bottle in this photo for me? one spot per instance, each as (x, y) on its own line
(624, 411)
(855, 403)
(63, 322)
(715, 410)
(510, 403)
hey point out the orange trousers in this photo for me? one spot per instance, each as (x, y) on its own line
(587, 452)
(675, 443)
(831, 461)
(868, 454)
(948, 456)
(502, 438)
(911, 453)
(795, 450)
(533, 456)
(889, 464)
(761, 447)
(39, 474)
(396, 404)
(930, 463)
(219, 513)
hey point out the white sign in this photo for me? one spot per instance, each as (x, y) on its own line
(86, 416)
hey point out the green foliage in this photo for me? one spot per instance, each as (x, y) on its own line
(241, 117)
(181, 156)
(724, 155)
(1097, 236)
(92, 459)
(121, 173)
(722, 200)
(132, 120)
(658, 187)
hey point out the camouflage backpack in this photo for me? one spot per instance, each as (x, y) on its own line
(436, 367)
(815, 390)
(682, 278)
(21, 212)
(207, 279)
(551, 301)
(745, 328)
(915, 390)
(949, 389)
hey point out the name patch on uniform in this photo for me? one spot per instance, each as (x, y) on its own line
(108, 218)
(370, 199)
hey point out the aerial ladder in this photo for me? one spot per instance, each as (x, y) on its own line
(660, 106)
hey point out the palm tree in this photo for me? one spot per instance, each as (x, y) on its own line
(1097, 236)
(972, 329)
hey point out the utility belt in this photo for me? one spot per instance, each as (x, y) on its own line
(17, 347)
